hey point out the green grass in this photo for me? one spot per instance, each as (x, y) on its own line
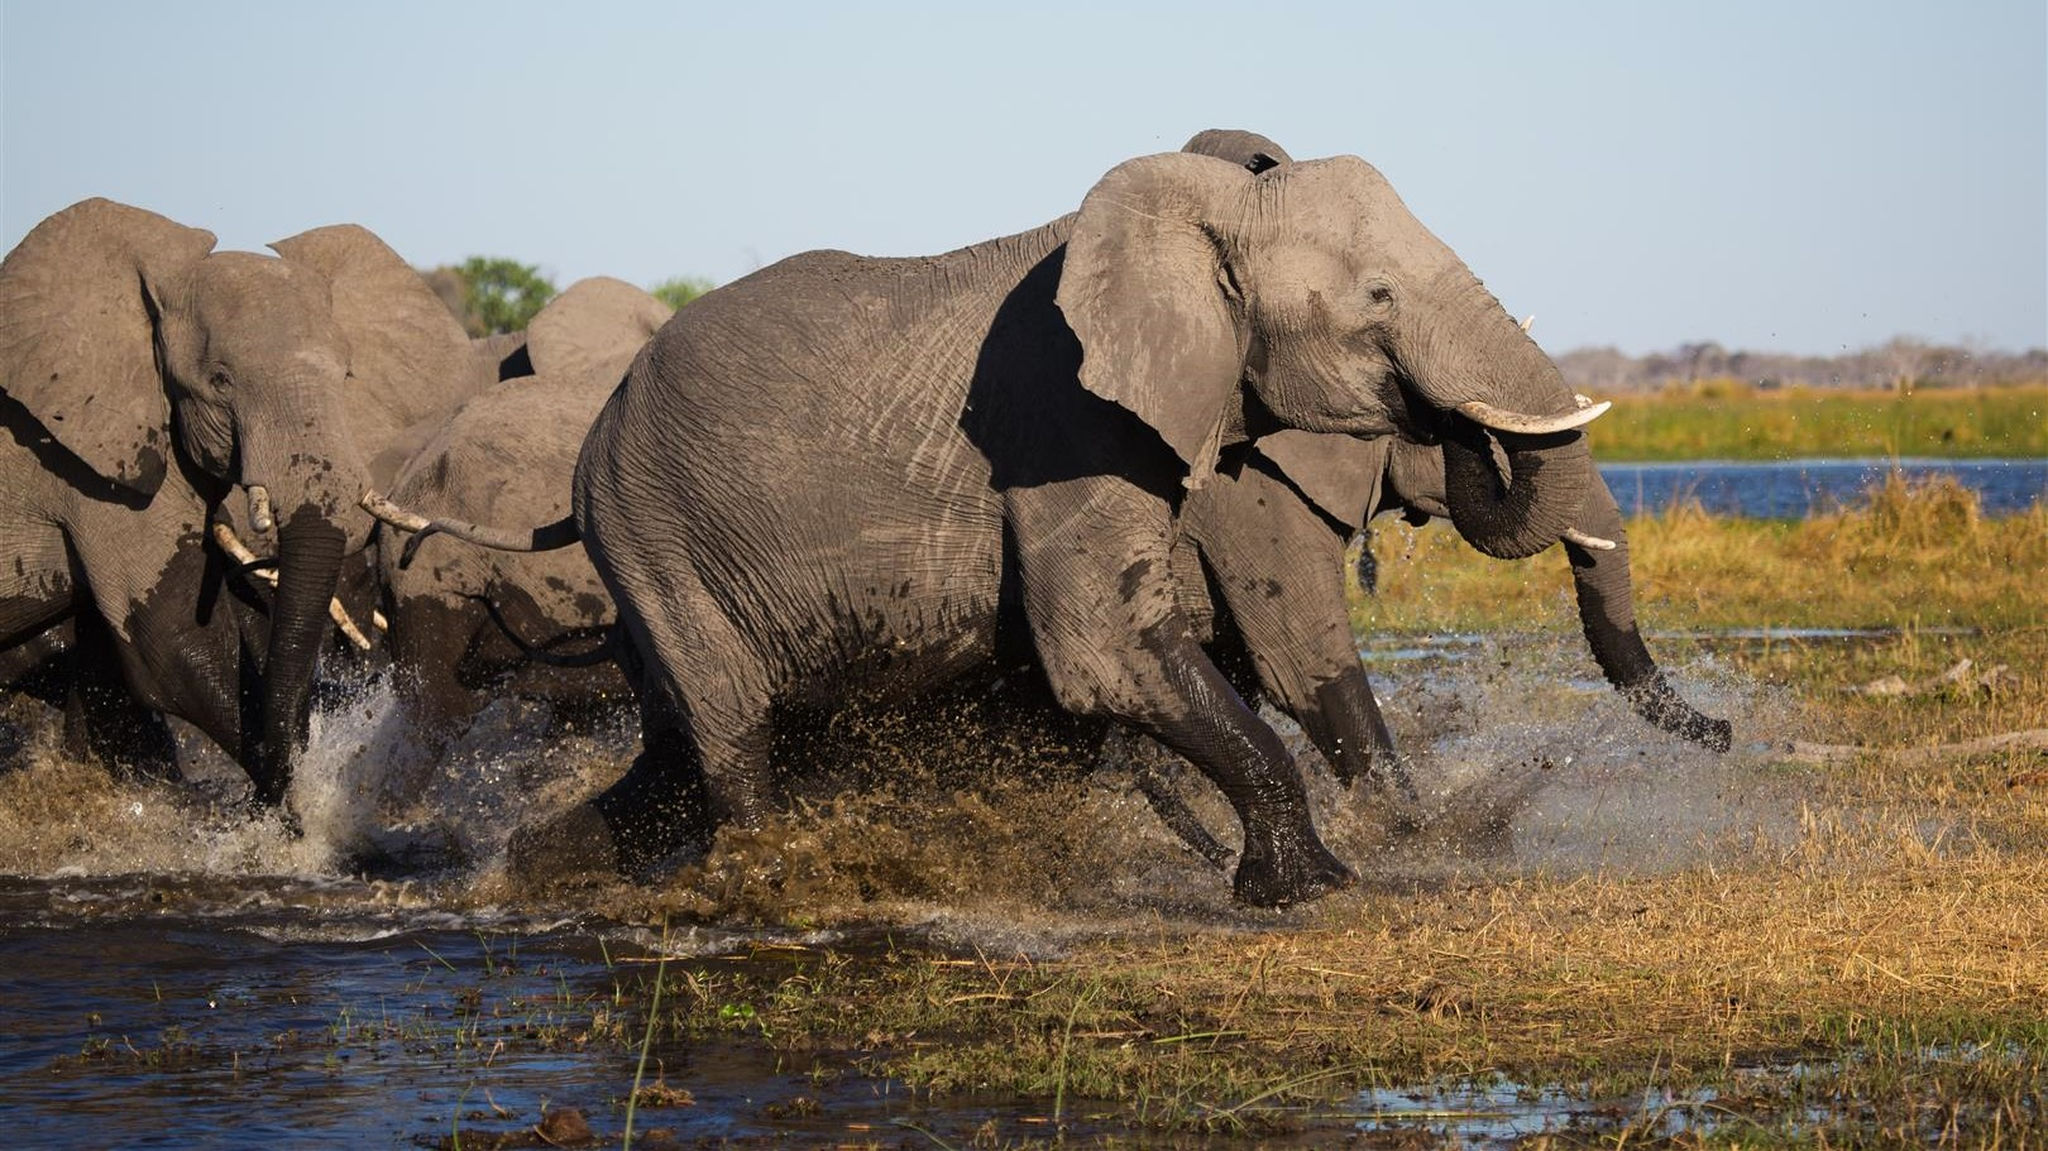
(1726, 419)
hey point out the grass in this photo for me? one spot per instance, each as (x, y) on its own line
(1912, 556)
(1874, 976)
(1729, 420)
(1871, 974)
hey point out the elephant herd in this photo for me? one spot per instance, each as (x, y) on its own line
(1126, 450)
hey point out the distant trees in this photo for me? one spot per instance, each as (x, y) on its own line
(491, 294)
(679, 290)
(1902, 365)
(503, 294)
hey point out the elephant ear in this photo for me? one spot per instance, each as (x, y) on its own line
(593, 330)
(1146, 290)
(77, 335)
(1340, 475)
(410, 358)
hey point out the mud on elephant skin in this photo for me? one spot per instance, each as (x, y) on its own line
(145, 377)
(814, 480)
(509, 455)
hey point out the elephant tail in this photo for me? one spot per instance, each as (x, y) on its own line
(545, 538)
(605, 649)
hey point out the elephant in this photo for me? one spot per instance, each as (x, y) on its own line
(143, 378)
(835, 478)
(511, 451)
(1271, 532)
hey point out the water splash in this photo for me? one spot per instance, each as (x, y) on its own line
(963, 818)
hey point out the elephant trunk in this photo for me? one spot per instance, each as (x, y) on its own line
(1607, 613)
(1516, 467)
(310, 548)
(310, 488)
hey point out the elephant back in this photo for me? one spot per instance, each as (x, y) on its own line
(593, 330)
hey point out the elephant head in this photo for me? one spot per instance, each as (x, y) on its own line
(1187, 274)
(131, 341)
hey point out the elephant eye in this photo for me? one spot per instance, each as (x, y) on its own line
(1381, 294)
(219, 380)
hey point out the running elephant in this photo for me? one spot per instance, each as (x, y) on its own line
(829, 478)
(1270, 534)
(145, 377)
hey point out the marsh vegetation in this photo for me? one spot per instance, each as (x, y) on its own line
(1832, 936)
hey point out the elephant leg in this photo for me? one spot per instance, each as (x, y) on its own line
(1278, 566)
(1099, 596)
(103, 719)
(704, 740)
(171, 619)
(429, 638)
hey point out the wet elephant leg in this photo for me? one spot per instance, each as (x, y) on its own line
(704, 740)
(103, 719)
(430, 636)
(171, 621)
(1103, 611)
(1278, 565)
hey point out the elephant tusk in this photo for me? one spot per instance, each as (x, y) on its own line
(1502, 420)
(378, 621)
(1529, 321)
(1575, 536)
(232, 544)
(259, 508)
(405, 521)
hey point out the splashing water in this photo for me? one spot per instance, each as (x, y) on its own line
(960, 815)
(958, 821)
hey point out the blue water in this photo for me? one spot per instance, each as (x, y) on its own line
(1792, 489)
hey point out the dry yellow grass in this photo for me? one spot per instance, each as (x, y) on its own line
(1876, 973)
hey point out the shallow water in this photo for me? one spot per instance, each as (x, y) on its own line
(174, 971)
(1790, 489)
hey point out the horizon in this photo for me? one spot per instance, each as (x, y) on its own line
(1807, 181)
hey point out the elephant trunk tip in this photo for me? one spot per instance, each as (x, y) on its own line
(1656, 701)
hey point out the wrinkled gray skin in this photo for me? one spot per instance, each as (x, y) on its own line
(1271, 531)
(508, 456)
(813, 481)
(145, 376)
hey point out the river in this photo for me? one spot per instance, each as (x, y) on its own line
(1790, 489)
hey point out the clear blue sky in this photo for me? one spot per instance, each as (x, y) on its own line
(1773, 174)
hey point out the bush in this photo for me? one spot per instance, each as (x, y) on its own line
(679, 290)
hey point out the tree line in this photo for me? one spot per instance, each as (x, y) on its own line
(1902, 365)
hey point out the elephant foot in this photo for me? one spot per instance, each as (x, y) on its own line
(576, 845)
(1282, 871)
